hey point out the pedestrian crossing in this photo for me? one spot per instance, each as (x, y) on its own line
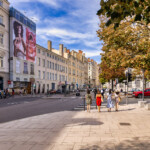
(80, 107)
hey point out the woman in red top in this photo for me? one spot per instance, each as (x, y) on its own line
(99, 100)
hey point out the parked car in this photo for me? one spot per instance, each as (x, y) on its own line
(52, 92)
(138, 94)
(58, 91)
(77, 93)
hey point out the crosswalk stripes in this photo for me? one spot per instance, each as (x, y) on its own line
(80, 107)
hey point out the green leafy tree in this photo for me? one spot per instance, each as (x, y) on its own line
(119, 10)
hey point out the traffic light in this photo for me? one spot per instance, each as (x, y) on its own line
(129, 77)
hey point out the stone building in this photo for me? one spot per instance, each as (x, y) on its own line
(4, 43)
(51, 68)
(76, 69)
(92, 73)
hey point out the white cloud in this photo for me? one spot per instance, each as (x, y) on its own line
(62, 33)
(92, 53)
(49, 2)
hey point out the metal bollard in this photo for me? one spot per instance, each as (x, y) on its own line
(84, 102)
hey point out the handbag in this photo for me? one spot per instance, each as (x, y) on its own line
(119, 98)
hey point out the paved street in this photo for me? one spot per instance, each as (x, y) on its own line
(22, 107)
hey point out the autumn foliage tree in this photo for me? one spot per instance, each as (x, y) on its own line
(126, 46)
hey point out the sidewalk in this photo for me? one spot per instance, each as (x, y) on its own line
(128, 129)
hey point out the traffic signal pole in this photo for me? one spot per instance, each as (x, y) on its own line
(143, 84)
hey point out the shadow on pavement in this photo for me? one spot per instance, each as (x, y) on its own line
(132, 144)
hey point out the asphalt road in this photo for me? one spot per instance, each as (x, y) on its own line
(18, 108)
(23, 107)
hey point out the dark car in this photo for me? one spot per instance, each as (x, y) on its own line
(77, 93)
(58, 91)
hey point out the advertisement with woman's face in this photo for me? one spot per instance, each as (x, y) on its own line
(30, 45)
(24, 42)
(19, 40)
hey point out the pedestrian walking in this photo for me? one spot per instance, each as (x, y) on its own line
(99, 100)
(109, 101)
(0, 94)
(117, 100)
(88, 98)
(102, 93)
(95, 92)
(13, 92)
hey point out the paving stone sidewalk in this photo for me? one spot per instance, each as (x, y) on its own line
(128, 129)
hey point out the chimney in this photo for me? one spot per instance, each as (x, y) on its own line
(49, 45)
(61, 49)
(80, 51)
(68, 51)
(65, 50)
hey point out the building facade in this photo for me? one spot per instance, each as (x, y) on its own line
(76, 69)
(22, 51)
(51, 69)
(92, 73)
(4, 44)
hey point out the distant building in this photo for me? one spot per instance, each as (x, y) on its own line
(92, 73)
(76, 69)
(4, 44)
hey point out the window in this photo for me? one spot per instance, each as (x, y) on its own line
(66, 69)
(1, 62)
(17, 16)
(53, 76)
(32, 69)
(1, 38)
(47, 54)
(43, 74)
(1, 3)
(17, 79)
(55, 66)
(56, 77)
(47, 75)
(55, 57)
(39, 51)
(50, 65)
(39, 61)
(47, 64)
(1, 19)
(43, 62)
(25, 68)
(39, 74)
(59, 77)
(58, 67)
(43, 53)
(50, 76)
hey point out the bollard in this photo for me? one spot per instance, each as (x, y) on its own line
(84, 102)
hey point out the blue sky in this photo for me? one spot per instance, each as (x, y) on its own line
(69, 22)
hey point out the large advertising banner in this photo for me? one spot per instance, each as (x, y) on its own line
(24, 42)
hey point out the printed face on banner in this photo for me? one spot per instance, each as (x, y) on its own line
(24, 42)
